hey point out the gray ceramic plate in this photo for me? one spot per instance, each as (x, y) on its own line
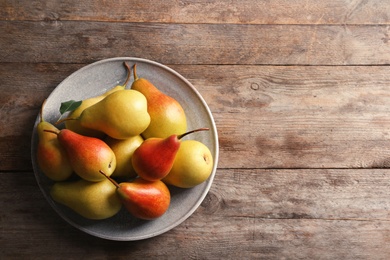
(95, 79)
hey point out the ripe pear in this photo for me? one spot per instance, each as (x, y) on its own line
(123, 150)
(75, 125)
(167, 115)
(121, 114)
(154, 158)
(193, 165)
(51, 156)
(87, 155)
(143, 199)
(92, 200)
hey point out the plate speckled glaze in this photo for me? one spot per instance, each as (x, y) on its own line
(95, 79)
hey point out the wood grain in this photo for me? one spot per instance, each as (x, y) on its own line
(267, 116)
(299, 90)
(273, 214)
(203, 11)
(299, 117)
(20, 99)
(224, 44)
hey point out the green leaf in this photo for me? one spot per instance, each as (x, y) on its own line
(69, 106)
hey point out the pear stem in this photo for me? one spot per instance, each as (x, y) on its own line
(110, 179)
(135, 72)
(41, 111)
(193, 131)
(51, 131)
(128, 69)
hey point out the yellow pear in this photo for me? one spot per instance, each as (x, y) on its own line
(51, 156)
(92, 200)
(167, 115)
(121, 114)
(193, 165)
(123, 150)
(75, 125)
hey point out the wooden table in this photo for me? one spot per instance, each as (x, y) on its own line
(300, 92)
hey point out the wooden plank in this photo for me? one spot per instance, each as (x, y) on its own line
(223, 44)
(20, 99)
(267, 116)
(323, 194)
(170, 11)
(299, 117)
(274, 214)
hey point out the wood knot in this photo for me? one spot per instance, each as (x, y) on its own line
(211, 203)
(255, 86)
(52, 18)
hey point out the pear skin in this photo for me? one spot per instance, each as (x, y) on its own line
(120, 115)
(92, 200)
(51, 156)
(154, 158)
(75, 125)
(143, 199)
(123, 150)
(87, 155)
(167, 115)
(192, 166)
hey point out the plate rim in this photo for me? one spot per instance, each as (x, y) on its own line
(182, 218)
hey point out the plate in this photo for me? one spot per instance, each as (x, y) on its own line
(95, 79)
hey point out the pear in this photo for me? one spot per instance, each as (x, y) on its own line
(167, 115)
(51, 156)
(87, 155)
(154, 158)
(75, 125)
(123, 150)
(92, 200)
(143, 199)
(121, 114)
(192, 166)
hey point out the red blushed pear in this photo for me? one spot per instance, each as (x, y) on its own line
(166, 113)
(51, 156)
(143, 199)
(154, 158)
(87, 155)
